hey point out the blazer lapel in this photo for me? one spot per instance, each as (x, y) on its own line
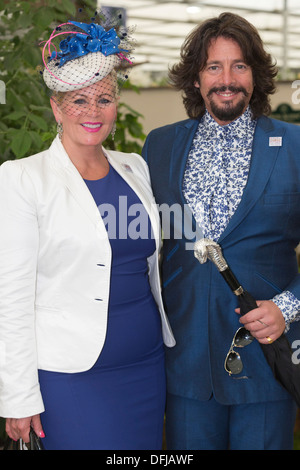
(263, 160)
(127, 172)
(71, 178)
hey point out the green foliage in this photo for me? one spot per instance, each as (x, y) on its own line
(27, 125)
(129, 133)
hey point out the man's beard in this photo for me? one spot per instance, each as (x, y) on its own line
(228, 112)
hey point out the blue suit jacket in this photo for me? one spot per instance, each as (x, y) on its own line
(259, 245)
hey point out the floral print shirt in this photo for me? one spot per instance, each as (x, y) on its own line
(215, 176)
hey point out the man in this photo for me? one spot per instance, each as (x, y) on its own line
(239, 173)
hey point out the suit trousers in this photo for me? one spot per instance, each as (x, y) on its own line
(209, 425)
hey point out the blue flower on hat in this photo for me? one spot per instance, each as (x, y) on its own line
(96, 39)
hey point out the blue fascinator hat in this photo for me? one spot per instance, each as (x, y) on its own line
(87, 55)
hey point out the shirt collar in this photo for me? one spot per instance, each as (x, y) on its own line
(240, 128)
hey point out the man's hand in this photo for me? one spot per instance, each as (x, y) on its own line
(265, 322)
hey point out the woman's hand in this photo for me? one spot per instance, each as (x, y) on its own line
(18, 428)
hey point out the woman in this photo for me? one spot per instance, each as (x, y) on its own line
(82, 320)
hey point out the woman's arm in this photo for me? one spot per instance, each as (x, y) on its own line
(19, 244)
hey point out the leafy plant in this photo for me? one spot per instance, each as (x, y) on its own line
(27, 125)
(129, 133)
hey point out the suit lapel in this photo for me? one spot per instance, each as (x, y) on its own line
(184, 135)
(263, 160)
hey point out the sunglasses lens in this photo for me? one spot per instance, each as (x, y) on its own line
(242, 338)
(233, 363)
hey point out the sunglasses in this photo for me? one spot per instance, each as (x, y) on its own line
(233, 362)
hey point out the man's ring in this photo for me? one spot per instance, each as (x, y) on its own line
(270, 340)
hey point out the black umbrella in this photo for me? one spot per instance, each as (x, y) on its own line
(278, 353)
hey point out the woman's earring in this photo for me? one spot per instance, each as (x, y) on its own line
(113, 131)
(59, 129)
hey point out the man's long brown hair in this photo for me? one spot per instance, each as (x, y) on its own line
(194, 57)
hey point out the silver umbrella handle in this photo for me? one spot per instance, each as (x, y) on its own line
(208, 249)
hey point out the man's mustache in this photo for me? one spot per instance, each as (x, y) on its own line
(232, 89)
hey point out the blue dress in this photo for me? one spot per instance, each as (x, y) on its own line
(119, 403)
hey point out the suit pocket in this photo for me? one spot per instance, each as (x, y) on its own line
(172, 277)
(172, 252)
(169, 267)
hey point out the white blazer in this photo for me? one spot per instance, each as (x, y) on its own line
(55, 264)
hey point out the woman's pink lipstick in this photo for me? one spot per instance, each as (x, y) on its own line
(92, 126)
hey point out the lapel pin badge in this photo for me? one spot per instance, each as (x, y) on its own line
(127, 167)
(275, 141)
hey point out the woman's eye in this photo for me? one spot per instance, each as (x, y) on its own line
(80, 101)
(105, 100)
